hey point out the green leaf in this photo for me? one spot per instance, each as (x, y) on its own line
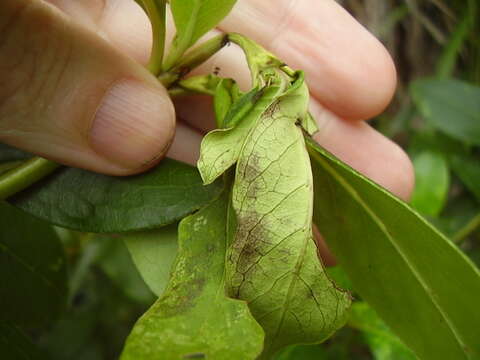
(384, 344)
(221, 148)
(154, 253)
(194, 319)
(193, 19)
(85, 201)
(223, 98)
(467, 167)
(302, 352)
(8, 153)
(346, 344)
(452, 106)
(272, 261)
(15, 345)
(432, 181)
(33, 287)
(116, 262)
(421, 285)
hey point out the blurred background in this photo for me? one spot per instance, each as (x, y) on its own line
(435, 116)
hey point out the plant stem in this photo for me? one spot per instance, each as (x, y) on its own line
(23, 176)
(193, 59)
(468, 229)
(156, 11)
(4, 167)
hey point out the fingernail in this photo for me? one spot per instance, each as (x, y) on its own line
(133, 125)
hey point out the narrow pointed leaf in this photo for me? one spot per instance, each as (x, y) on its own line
(422, 286)
(194, 318)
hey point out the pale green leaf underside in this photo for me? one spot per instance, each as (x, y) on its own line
(272, 262)
(221, 148)
(432, 180)
(422, 286)
(153, 253)
(194, 318)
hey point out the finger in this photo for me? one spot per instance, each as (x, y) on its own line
(356, 143)
(186, 145)
(122, 22)
(68, 95)
(348, 70)
(366, 150)
(327, 257)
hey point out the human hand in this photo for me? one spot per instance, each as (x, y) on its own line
(74, 90)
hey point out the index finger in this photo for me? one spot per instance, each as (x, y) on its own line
(348, 70)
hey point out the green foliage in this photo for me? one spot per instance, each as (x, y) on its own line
(467, 167)
(432, 180)
(15, 345)
(85, 201)
(383, 343)
(450, 105)
(115, 262)
(193, 19)
(233, 263)
(406, 270)
(154, 253)
(194, 318)
(33, 288)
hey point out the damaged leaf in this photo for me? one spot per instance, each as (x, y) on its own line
(194, 318)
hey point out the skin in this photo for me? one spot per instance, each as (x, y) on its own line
(74, 52)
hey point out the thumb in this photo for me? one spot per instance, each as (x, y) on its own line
(68, 95)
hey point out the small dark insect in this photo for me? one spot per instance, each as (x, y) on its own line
(216, 70)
